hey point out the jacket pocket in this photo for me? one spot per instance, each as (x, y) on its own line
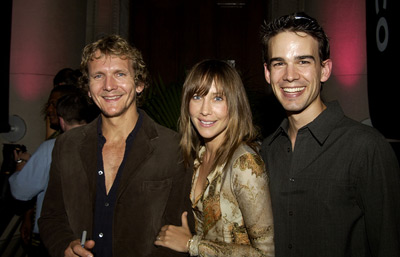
(156, 199)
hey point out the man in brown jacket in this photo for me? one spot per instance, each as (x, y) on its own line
(121, 177)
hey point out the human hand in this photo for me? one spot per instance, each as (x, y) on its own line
(26, 233)
(174, 237)
(26, 227)
(75, 249)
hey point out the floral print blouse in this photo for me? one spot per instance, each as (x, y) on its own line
(233, 215)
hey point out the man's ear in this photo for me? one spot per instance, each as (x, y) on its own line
(267, 73)
(326, 70)
(62, 123)
(139, 87)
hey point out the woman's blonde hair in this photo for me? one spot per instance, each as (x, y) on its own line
(240, 126)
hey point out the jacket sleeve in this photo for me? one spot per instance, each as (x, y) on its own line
(53, 224)
(178, 202)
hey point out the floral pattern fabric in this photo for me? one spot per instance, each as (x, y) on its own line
(233, 215)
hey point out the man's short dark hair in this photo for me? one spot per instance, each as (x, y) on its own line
(296, 22)
(74, 108)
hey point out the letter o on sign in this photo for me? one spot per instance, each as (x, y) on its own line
(382, 24)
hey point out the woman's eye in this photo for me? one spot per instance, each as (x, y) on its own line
(218, 98)
(196, 97)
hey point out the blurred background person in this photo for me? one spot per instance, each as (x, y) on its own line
(31, 181)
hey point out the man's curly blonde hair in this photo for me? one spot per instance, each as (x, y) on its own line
(115, 45)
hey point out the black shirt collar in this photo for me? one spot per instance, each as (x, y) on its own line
(320, 127)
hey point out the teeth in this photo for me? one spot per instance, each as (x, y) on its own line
(110, 97)
(293, 89)
(207, 122)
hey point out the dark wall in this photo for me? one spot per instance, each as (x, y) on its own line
(383, 66)
(175, 34)
(6, 13)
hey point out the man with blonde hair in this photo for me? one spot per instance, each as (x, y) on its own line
(121, 177)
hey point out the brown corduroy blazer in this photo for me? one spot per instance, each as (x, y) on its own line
(153, 191)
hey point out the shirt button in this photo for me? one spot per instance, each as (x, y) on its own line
(106, 204)
(290, 246)
(100, 172)
(290, 213)
(288, 149)
(291, 179)
(101, 235)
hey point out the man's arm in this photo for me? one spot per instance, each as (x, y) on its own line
(33, 177)
(178, 202)
(380, 191)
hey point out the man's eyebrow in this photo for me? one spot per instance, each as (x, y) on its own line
(96, 73)
(276, 59)
(302, 57)
(122, 70)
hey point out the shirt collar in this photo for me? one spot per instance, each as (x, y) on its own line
(323, 125)
(131, 135)
(214, 173)
(320, 127)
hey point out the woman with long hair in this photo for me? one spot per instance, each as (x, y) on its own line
(230, 192)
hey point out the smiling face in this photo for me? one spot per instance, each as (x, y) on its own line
(209, 115)
(295, 72)
(112, 85)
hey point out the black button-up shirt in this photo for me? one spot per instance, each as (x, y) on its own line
(105, 203)
(338, 193)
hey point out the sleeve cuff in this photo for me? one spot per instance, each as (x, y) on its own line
(194, 246)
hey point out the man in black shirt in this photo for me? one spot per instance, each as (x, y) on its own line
(335, 184)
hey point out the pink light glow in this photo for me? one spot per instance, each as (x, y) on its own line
(27, 64)
(31, 87)
(345, 26)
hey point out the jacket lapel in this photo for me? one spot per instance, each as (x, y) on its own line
(88, 156)
(140, 151)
